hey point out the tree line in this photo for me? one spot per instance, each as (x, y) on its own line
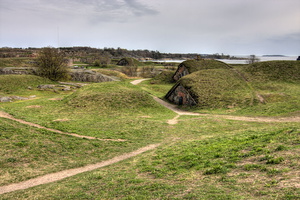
(112, 53)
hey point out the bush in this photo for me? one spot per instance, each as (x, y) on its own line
(52, 64)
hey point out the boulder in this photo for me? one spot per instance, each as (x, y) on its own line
(5, 99)
(43, 87)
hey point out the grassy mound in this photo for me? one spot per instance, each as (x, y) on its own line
(196, 65)
(104, 110)
(15, 84)
(113, 73)
(163, 77)
(218, 88)
(288, 71)
(129, 62)
(111, 97)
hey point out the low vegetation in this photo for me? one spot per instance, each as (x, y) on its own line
(196, 65)
(218, 88)
(51, 64)
(277, 82)
(13, 62)
(200, 157)
(21, 84)
(286, 71)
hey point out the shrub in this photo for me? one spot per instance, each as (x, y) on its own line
(52, 64)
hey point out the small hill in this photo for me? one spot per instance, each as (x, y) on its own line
(111, 97)
(12, 84)
(213, 88)
(287, 71)
(196, 65)
(191, 66)
(128, 62)
(163, 77)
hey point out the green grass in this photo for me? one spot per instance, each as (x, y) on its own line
(201, 157)
(131, 61)
(215, 160)
(287, 71)
(15, 62)
(18, 84)
(97, 108)
(28, 152)
(156, 89)
(196, 65)
(220, 91)
(113, 73)
(218, 88)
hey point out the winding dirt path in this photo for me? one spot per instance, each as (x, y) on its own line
(239, 118)
(71, 172)
(138, 81)
(8, 116)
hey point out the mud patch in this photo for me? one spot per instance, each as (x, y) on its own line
(55, 99)
(145, 116)
(34, 106)
(61, 120)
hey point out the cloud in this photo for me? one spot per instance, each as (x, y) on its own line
(140, 9)
(170, 25)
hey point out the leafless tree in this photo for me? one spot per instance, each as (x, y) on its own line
(252, 59)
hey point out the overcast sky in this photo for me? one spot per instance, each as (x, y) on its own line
(235, 27)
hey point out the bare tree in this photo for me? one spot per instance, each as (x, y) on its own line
(252, 59)
(52, 64)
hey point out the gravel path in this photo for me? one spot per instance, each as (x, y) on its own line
(71, 172)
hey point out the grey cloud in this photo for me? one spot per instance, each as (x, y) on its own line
(211, 26)
(120, 8)
(140, 9)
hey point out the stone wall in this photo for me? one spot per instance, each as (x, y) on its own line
(18, 70)
(180, 96)
(76, 74)
(181, 71)
(89, 76)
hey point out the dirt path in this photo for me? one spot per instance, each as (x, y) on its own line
(239, 118)
(138, 81)
(8, 116)
(71, 172)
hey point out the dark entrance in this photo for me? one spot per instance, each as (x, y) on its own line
(180, 102)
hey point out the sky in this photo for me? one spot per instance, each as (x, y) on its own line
(235, 27)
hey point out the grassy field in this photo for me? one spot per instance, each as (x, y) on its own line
(19, 84)
(15, 62)
(201, 157)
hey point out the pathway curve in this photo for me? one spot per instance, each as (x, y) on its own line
(71, 172)
(138, 81)
(8, 116)
(239, 118)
